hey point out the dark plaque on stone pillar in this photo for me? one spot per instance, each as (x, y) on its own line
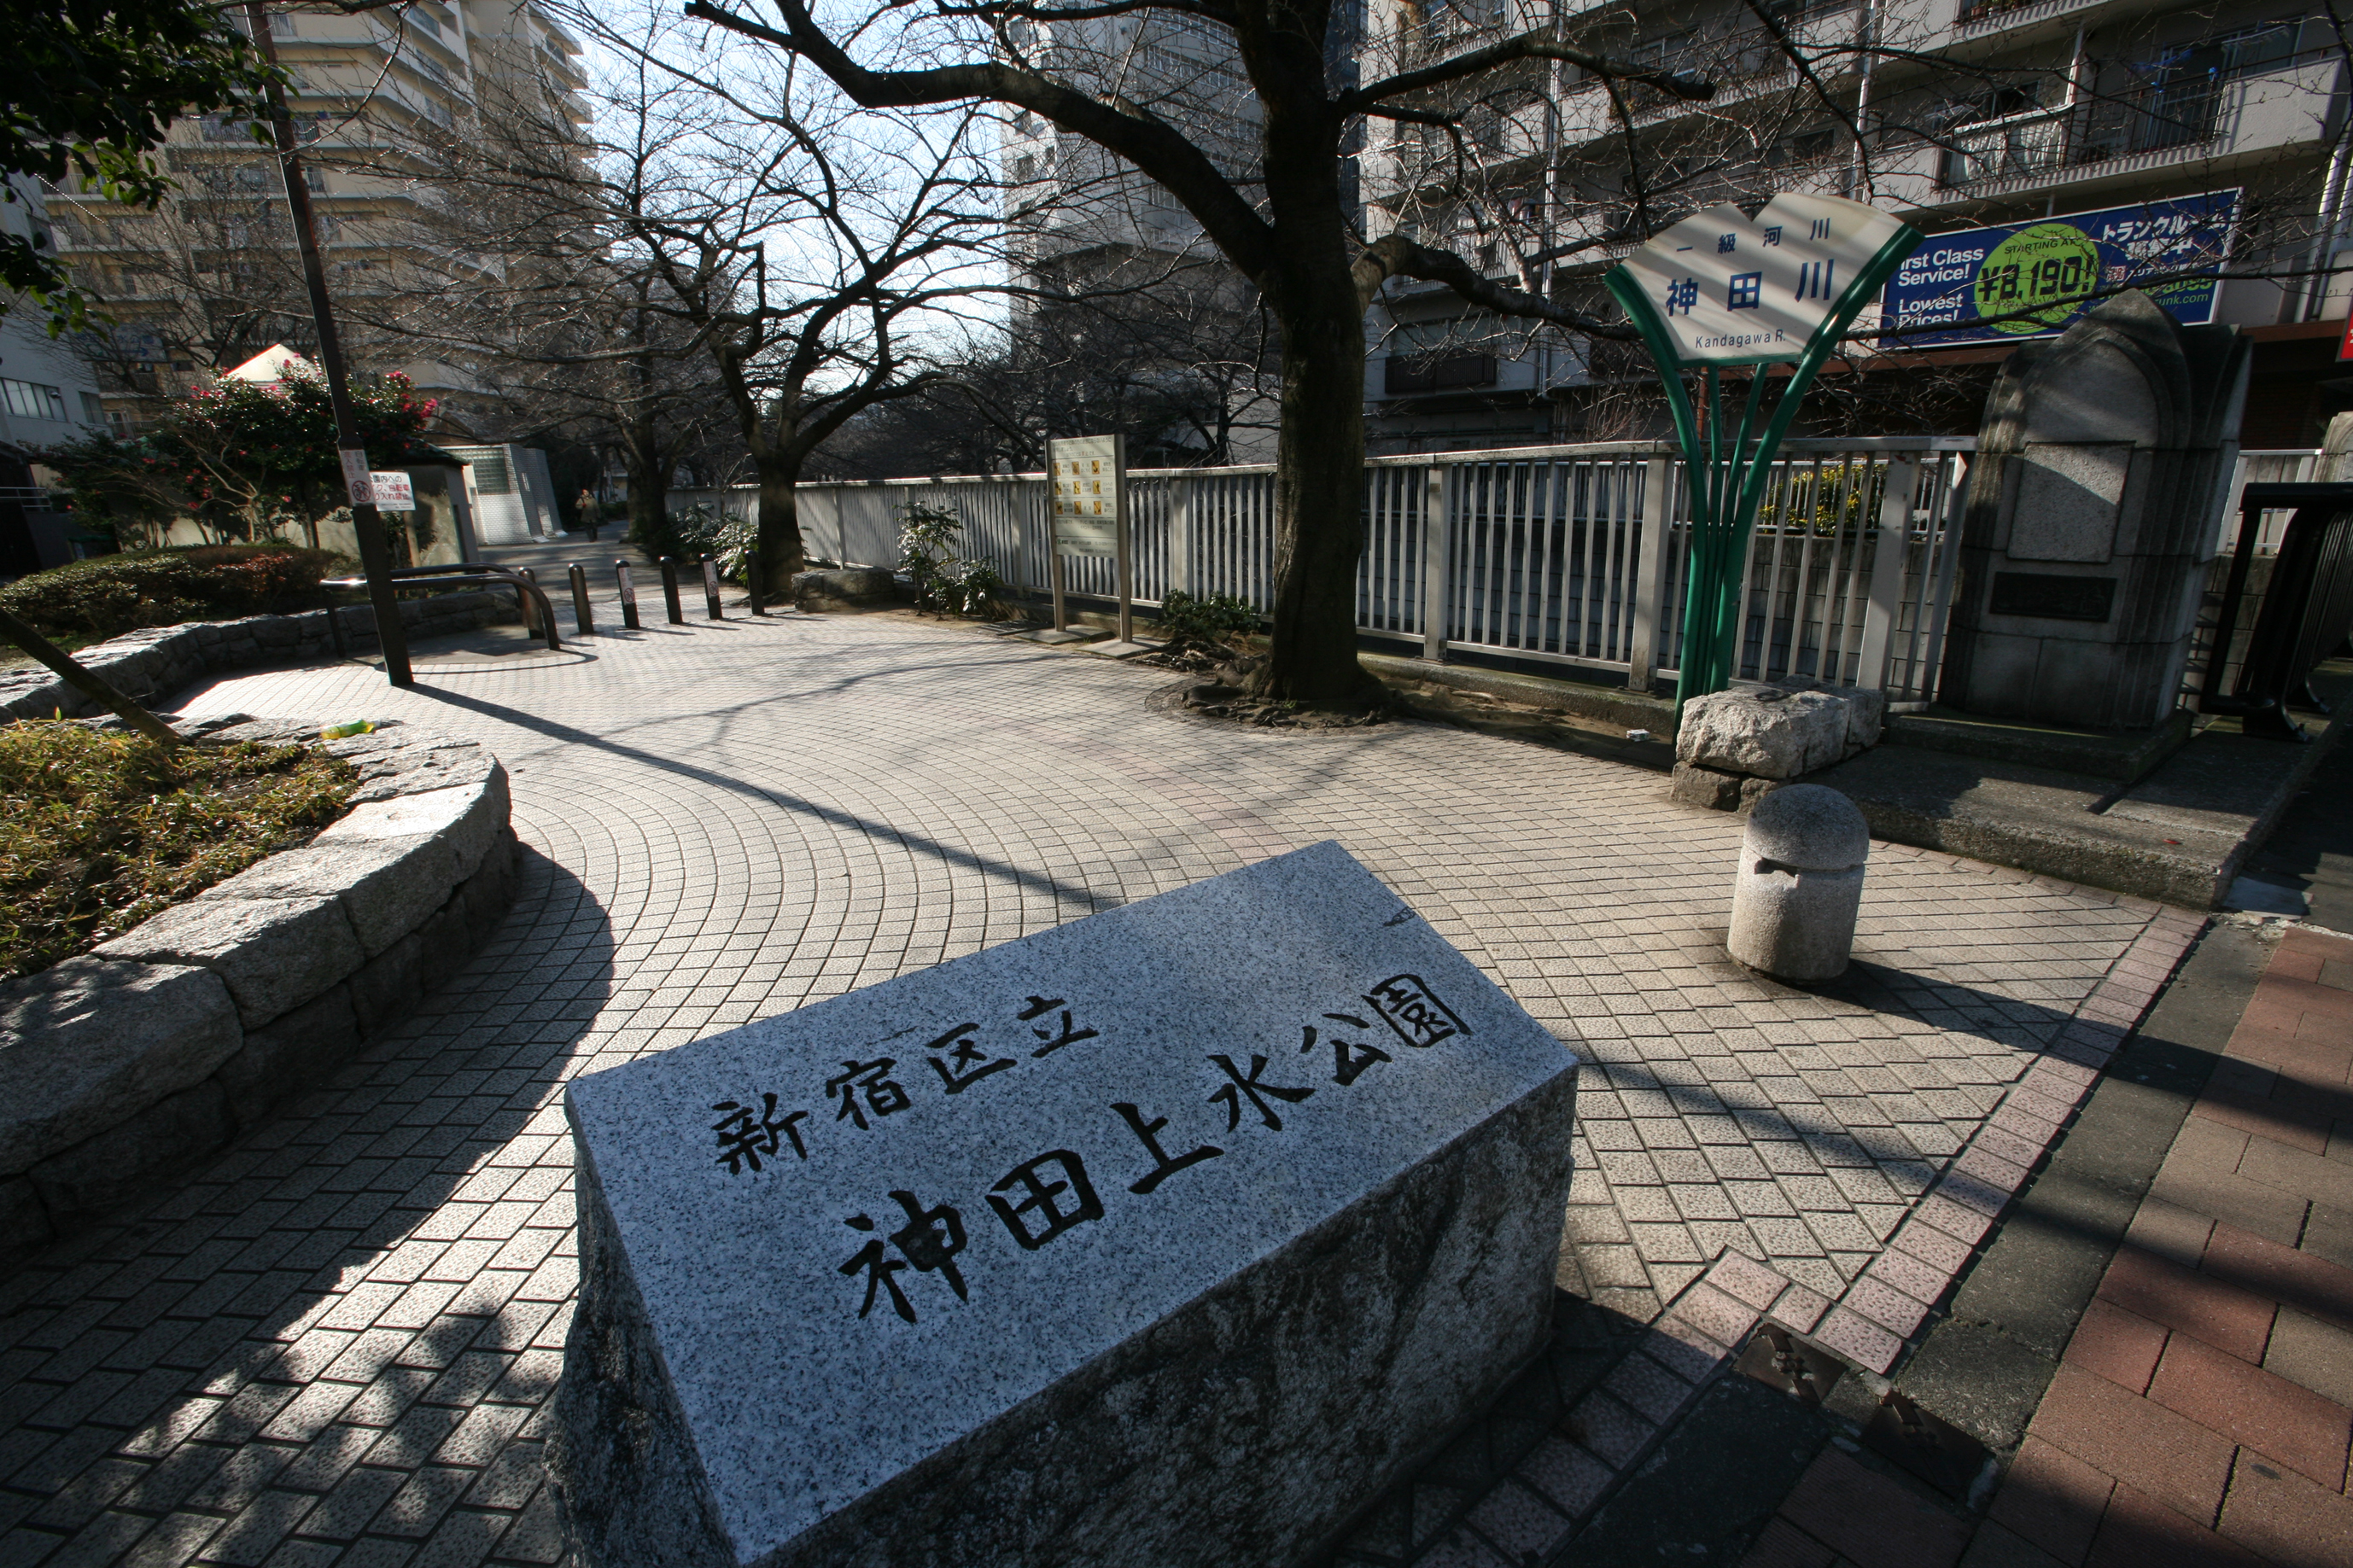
(1166, 1236)
(2052, 598)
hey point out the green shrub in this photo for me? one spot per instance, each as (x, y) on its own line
(108, 594)
(697, 531)
(945, 582)
(1212, 619)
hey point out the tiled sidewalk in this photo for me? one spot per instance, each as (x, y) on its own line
(331, 1344)
(2203, 1411)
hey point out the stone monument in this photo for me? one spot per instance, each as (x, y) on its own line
(1164, 1238)
(2103, 466)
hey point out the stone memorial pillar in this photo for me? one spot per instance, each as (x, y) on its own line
(2103, 466)
(1165, 1238)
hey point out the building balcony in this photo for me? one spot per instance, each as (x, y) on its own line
(1421, 374)
(2155, 127)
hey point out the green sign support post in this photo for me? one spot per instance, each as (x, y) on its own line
(1719, 288)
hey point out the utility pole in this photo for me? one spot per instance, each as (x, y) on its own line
(376, 561)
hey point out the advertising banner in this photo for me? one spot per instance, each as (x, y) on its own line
(2032, 280)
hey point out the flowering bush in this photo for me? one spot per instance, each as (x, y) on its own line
(107, 595)
(245, 459)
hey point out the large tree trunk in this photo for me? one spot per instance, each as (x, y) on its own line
(1319, 484)
(1319, 461)
(782, 554)
(649, 479)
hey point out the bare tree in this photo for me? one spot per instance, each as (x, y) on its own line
(1177, 359)
(1281, 216)
(814, 255)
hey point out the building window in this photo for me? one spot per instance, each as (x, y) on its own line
(31, 400)
(94, 411)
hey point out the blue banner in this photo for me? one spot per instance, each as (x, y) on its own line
(2030, 279)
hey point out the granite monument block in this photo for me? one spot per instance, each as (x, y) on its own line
(1164, 1238)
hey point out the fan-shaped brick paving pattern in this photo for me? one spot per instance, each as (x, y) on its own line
(334, 1343)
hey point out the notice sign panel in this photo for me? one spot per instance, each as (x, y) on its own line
(392, 491)
(1734, 290)
(1082, 472)
(2032, 280)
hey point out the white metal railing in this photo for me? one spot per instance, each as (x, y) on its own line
(1549, 554)
(1561, 555)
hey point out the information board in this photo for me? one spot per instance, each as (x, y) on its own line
(2032, 280)
(1083, 474)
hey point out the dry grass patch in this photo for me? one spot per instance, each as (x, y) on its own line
(100, 829)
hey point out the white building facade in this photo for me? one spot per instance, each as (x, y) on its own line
(1971, 114)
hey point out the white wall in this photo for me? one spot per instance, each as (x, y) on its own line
(509, 493)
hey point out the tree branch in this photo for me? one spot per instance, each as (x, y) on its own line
(1394, 255)
(1148, 142)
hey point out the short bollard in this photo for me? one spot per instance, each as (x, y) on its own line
(711, 590)
(1799, 884)
(582, 616)
(629, 588)
(670, 591)
(531, 605)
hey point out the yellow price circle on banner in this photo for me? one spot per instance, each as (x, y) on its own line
(2055, 265)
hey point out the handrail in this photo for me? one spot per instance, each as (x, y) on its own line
(472, 574)
(1595, 450)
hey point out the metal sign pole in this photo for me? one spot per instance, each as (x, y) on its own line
(366, 524)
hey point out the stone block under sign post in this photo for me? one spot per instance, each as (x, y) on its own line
(1164, 1238)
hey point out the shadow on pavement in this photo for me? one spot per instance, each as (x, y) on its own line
(1085, 898)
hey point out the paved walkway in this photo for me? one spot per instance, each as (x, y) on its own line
(2204, 1407)
(333, 1343)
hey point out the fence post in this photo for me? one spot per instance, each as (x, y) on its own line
(628, 591)
(711, 589)
(1649, 572)
(1435, 537)
(1880, 611)
(670, 591)
(1945, 539)
(584, 620)
(1180, 536)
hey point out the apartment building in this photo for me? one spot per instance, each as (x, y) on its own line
(48, 397)
(2218, 118)
(1079, 217)
(211, 278)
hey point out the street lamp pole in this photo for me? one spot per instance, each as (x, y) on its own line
(376, 559)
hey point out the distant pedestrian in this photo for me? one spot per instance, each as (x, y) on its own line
(591, 514)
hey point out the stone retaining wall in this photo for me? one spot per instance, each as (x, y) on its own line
(158, 661)
(165, 1042)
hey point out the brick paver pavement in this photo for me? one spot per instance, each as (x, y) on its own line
(334, 1343)
(2203, 1410)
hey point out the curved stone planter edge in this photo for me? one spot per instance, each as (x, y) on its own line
(162, 1045)
(156, 661)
